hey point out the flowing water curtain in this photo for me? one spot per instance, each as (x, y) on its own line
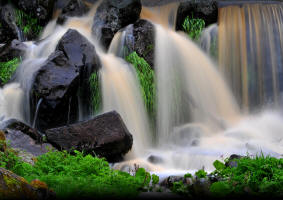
(251, 52)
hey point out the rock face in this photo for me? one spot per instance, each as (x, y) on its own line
(73, 8)
(143, 34)
(8, 27)
(58, 81)
(111, 16)
(206, 10)
(16, 187)
(12, 50)
(26, 141)
(105, 135)
(40, 9)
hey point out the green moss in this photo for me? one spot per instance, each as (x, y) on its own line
(146, 78)
(193, 27)
(8, 68)
(96, 97)
(29, 25)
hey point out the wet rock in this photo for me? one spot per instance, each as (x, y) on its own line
(25, 140)
(232, 162)
(16, 187)
(58, 82)
(143, 40)
(39, 9)
(74, 8)
(105, 135)
(111, 16)
(12, 50)
(155, 159)
(8, 27)
(206, 10)
(168, 182)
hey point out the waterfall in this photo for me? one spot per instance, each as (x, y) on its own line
(121, 92)
(251, 52)
(190, 89)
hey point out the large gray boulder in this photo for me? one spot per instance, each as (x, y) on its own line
(111, 16)
(105, 136)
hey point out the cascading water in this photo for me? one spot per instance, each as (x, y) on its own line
(250, 52)
(198, 118)
(120, 92)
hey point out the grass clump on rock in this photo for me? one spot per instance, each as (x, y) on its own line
(146, 78)
(193, 27)
(95, 88)
(7, 69)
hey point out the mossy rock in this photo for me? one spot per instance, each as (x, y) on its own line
(16, 187)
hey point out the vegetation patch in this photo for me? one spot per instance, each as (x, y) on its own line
(8, 68)
(79, 175)
(29, 25)
(146, 78)
(96, 97)
(193, 27)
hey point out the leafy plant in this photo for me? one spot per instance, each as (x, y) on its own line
(193, 27)
(220, 189)
(146, 77)
(8, 68)
(29, 25)
(201, 173)
(96, 97)
(180, 188)
(188, 175)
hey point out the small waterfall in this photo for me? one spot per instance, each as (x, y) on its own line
(251, 52)
(190, 89)
(209, 40)
(121, 92)
(164, 15)
(36, 113)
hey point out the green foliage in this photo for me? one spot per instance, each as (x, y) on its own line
(193, 27)
(79, 175)
(220, 189)
(146, 77)
(29, 25)
(188, 175)
(201, 173)
(155, 179)
(259, 175)
(219, 165)
(8, 68)
(96, 97)
(180, 188)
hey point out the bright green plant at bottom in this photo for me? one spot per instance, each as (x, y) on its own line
(8, 68)
(78, 176)
(193, 27)
(146, 78)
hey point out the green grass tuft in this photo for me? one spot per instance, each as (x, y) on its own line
(29, 25)
(96, 97)
(8, 68)
(146, 77)
(193, 27)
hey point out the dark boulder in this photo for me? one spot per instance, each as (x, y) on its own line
(141, 40)
(8, 27)
(56, 83)
(231, 162)
(13, 186)
(81, 53)
(155, 159)
(74, 8)
(11, 50)
(105, 135)
(39, 9)
(59, 80)
(206, 10)
(111, 16)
